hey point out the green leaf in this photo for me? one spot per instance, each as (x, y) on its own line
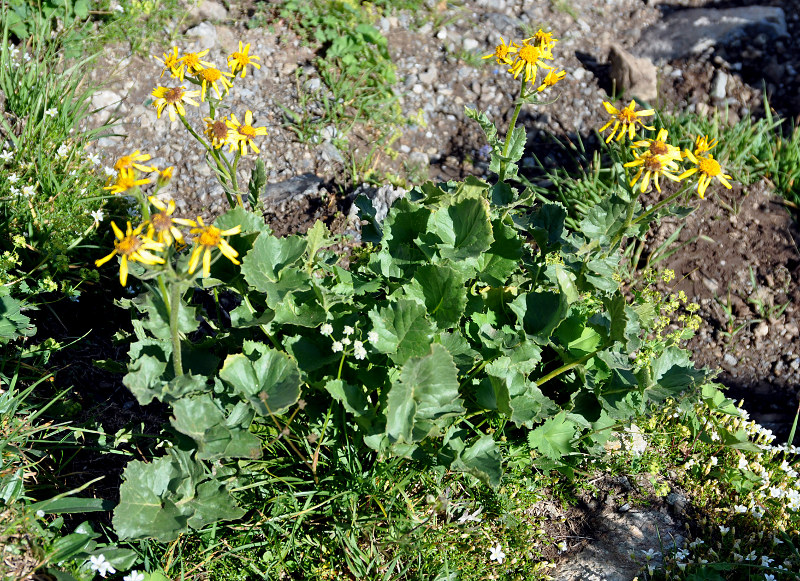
(424, 396)
(72, 504)
(578, 336)
(554, 437)
(268, 267)
(486, 124)
(605, 220)
(441, 289)
(673, 373)
(546, 225)
(13, 323)
(482, 459)
(251, 222)
(540, 313)
(464, 229)
(352, 397)
(216, 436)
(258, 179)
(267, 378)
(317, 237)
(516, 146)
(157, 320)
(403, 330)
(503, 257)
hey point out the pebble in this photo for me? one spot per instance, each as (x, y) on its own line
(729, 359)
(762, 330)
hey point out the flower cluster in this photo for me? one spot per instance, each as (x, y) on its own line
(160, 231)
(191, 67)
(656, 157)
(528, 58)
(343, 345)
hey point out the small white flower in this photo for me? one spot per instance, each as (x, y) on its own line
(6, 155)
(13, 178)
(346, 341)
(562, 547)
(765, 561)
(372, 337)
(739, 509)
(713, 460)
(714, 435)
(51, 112)
(724, 530)
(768, 577)
(326, 329)
(93, 158)
(134, 576)
(742, 463)
(751, 556)
(63, 151)
(467, 517)
(99, 564)
(359, 351)
(97, 215)
(108, 171)
(337, 346)
(29, 191)
(26, 56)
(40, 513)
(348, 330)
(496, 554)
(13, 50)
(15, 191)
(650, 554)
(775, 492)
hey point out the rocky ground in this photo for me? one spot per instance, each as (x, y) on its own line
(751, 322)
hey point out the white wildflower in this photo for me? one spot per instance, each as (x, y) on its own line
(496, 554)
(372, 337)
(337, 346)
(739, 509)
(326, 329)
(97, 215)
(51, 112)
(93, 158)
(99, 564)
(6, 156)
(724, 530)
(348, 330)
(29, 191)
(63, 151)
(359, 351)
(134, 576)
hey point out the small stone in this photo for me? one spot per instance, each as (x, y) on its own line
(762, 330)
(624, 508)
(205, 33)
(429, 76)
(635, 76)
(442, 34)
(469, 44)
(729, 359)
(418, 89)
(719, 86)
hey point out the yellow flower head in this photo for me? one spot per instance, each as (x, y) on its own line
(659, 146)
(132, 246)
(217, 131)
(194, 63)
(708, 168)
(529, 59)
(173, 99)
(240, 59)
(172, 63)
(551, 79)
(242, 134)
(206, 238)
(703, 145)
(162, 227)
(544, 40)
(212, 76)
(165, 176)
(625, 120)
(653, 166)
(126, 180)
(503, 52)
(132, 161)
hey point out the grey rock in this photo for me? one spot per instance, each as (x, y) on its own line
(108, 102)
(719, 86)
(635, 76)
(761, 330)
(205, 33)
(429, 76)
(292, 189)
(691, 32)
(469, 44)
(729, 359)
(329, 152)
(313, 85)
(616, 536)
(382, 199)
(207, 10)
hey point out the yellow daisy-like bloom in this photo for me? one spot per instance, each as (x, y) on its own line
(659, 146)
(240, 59)
(132, 161)
(709, 168)
(206, 238)
(165, 176)
(529, 59)
(625, 120)
(544, 39)
(217, 131)
(132, 246)
(126, 180)
(173, 99)
(162, 227)
(703, 145)
(503, 52)
(242, 134)
(172, 63)
(551, 79)
(194, 63)
(212, 76)
(653, 166)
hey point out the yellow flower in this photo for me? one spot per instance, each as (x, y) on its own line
(217, 131)
(242, 134)
(206, 238)
(709, 169)
(503, 52)
(165, 176)
(194, 63)
(551, 79)
(544, 40)
(625, 120)
(529, 59)
(211, 76)
(126, 180)
(173, 99)
(172, 63)
(162, 227)
(653, 165)
(132, 246)
(241, 58)
(659, 146)
(703, 145)
(132, 161)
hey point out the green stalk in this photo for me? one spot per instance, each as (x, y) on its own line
(567, 367)
(511, 126)
(658, 206)
(174, 301)
(790, 441)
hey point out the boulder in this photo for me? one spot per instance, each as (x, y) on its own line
(635, 76)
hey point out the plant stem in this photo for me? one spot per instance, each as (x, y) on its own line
(174, 303)
(658, 206)
(567, 367)
(511, 126)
